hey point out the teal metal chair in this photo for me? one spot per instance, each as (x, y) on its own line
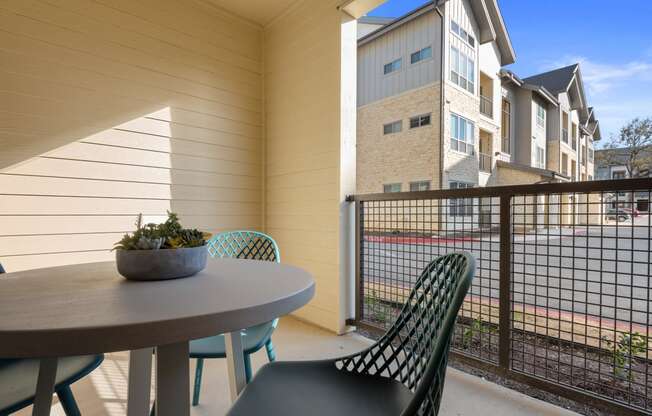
(250, 245)
(18, 380)
(400, 375)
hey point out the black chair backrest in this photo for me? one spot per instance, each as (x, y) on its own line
(414, 350)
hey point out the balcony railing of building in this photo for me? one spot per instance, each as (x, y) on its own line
(561, 299)
(486, 106)
(485, 162)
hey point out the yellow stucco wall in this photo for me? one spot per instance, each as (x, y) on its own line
(111, 110)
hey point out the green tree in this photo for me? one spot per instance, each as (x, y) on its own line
(631, 147)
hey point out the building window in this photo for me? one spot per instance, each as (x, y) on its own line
(583, 157)
(541, 116)
(421, 55)
(590, 177)
(462, 70)
(590, 155)
(461, 206)
(618, 175)
(506, 127)
(392, 66)
(420, 186)
(541, 158)
(392, 187)
(463, 34)
(462, 134)
(564, 164)
(420, 121)
(564, 127)
(574, 136)
(394, 127)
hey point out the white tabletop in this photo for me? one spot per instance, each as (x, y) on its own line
(90, 308)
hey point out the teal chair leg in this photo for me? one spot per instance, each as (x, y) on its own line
(197, 388)
(271, 354)
(153, 411)
(247, 363)
(68, 402)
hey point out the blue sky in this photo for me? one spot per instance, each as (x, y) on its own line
(612, 44)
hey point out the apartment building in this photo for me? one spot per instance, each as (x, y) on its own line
(612, 164)
(572, 127)
(435, 109)
(431, 74)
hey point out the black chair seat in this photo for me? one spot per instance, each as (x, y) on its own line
(318, 388)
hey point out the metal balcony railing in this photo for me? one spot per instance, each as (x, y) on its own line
(485, 162)
(562, 297)
(486, 106)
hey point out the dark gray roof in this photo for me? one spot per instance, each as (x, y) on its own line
(555, 81)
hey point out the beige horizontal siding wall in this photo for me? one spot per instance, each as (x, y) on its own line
(306, 159)
(112, 108)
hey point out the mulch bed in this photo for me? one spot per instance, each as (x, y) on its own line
(586, 368)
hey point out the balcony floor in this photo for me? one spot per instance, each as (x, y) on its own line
(104, 392)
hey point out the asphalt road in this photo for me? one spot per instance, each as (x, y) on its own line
(603, 272)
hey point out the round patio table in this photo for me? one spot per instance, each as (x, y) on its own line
(89, 309)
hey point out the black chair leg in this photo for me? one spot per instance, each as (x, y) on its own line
(153, 411)
(68, 401)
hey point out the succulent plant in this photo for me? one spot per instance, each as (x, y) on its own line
(167, 235)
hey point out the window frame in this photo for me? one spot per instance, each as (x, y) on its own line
(392, 65)
(418, 183)
(422, 120)
(506, 132)
(419, 54)
(386, 185)
(458, 33)
(541, 116)
(540, 162)
(457, 141)
(460, 207)
(392, 125)
(462, 63)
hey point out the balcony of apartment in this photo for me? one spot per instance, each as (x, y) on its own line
(485, 160)
(486, 96)
(122, 111)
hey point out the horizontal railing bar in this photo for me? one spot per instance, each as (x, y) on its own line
(620, 185)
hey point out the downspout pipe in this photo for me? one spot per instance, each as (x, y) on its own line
(442, 97)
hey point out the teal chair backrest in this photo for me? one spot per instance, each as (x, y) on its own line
(243, 244)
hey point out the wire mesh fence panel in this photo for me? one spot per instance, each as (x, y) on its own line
(581, 293)
(400, 237)
(576, 272)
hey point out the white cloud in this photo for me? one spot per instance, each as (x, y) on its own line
(619, 92)
(601, 77)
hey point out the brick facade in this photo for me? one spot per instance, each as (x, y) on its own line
(409, 156)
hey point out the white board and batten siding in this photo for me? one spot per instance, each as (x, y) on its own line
(115, 109)
(419, 33)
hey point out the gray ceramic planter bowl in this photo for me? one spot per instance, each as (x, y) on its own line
(161, 264)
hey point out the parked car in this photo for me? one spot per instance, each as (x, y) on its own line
(632, 211)
(618, 215)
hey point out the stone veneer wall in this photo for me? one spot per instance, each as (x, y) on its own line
(409, 156)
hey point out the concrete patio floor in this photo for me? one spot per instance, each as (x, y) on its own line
(104, 392)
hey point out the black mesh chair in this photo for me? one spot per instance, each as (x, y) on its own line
(402, 374)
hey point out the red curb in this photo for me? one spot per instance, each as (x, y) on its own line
(418, 240)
